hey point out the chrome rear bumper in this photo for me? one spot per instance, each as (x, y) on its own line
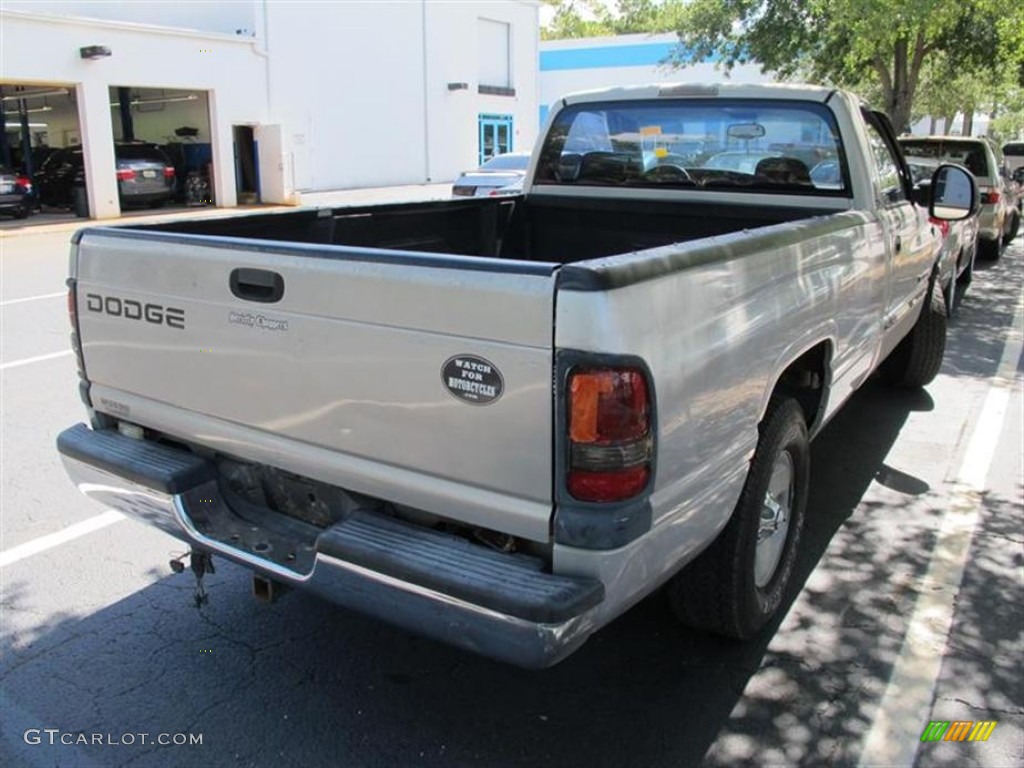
(498, 605)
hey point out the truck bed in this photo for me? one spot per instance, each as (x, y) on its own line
(559, 230)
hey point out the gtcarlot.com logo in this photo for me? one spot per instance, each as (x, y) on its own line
(55, 736)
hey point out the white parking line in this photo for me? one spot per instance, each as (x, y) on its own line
(907, 701)
(30, 360)
(72, 532)
(32, 298)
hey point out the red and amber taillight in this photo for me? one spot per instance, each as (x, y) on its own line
(610, 442)
(989, 196)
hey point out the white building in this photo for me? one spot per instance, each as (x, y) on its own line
(567, 66)
(284, 95)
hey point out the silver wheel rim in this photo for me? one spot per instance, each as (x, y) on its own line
(773, 527)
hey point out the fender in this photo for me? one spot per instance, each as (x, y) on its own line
(825, 333)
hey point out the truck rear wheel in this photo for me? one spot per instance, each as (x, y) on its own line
(918, 357)
(738, 583)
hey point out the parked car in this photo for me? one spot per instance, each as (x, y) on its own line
(500, 171)
(999, 218)
(515, 188)
(743, 162)
(145, 175)
(1018, 177)
(15, 194)
(959, 238)
(1013, 154)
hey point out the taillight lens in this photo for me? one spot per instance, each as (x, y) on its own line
(126, 174)
(168, 172)
(24, 182)
(989, 196)
(943, 226)
(610, 442)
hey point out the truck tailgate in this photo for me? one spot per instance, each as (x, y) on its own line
(423, 379)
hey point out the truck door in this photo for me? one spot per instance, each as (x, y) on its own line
(911, 246)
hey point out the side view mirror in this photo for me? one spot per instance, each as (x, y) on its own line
(1018, 175)
(954, 194)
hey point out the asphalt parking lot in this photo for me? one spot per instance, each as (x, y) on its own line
(909, 610)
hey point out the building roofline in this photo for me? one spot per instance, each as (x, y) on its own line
(125, 26)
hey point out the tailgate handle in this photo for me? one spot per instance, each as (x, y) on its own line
(257, 285)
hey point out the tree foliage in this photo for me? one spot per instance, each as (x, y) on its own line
(593, 18)
(855, 43)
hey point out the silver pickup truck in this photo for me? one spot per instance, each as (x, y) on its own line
(500, 422)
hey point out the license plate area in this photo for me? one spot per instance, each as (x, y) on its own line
(149, 174)
(260, 534)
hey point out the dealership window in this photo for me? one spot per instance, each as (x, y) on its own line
(495, 54)
(495, 136)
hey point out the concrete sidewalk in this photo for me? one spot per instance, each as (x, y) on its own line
(50, 223)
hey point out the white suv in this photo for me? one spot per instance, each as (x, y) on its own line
(999, 218)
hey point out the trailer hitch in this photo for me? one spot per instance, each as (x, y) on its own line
(201, 563)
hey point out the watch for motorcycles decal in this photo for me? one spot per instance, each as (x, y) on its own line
(472, 379)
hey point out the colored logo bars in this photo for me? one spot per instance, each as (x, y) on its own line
(958, 730)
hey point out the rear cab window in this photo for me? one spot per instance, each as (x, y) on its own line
(702, 144)
(925, 154)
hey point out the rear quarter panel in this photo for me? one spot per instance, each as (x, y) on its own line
(717, 330)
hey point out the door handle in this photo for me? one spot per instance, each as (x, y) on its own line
(898, 244)
(260, 285)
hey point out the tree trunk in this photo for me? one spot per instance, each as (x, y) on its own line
(902, 87)
(931, 125)
(968, 120)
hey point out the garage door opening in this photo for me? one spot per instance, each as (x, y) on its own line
(39, 121)
(162, 147)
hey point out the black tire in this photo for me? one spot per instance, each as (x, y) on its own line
(719, 591)
(21, 213)
(990, 250)
(1014, 227)
(918, 357)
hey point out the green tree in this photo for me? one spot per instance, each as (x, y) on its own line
(856, 43)
(593, 18)
(574, 19)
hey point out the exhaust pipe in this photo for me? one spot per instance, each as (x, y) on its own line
(267, 590)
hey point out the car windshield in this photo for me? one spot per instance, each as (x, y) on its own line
(969, 154)
(755, 146)
(139, 152)
(1014, 149)
(510, 162)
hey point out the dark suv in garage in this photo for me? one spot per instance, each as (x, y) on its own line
(145, 176)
